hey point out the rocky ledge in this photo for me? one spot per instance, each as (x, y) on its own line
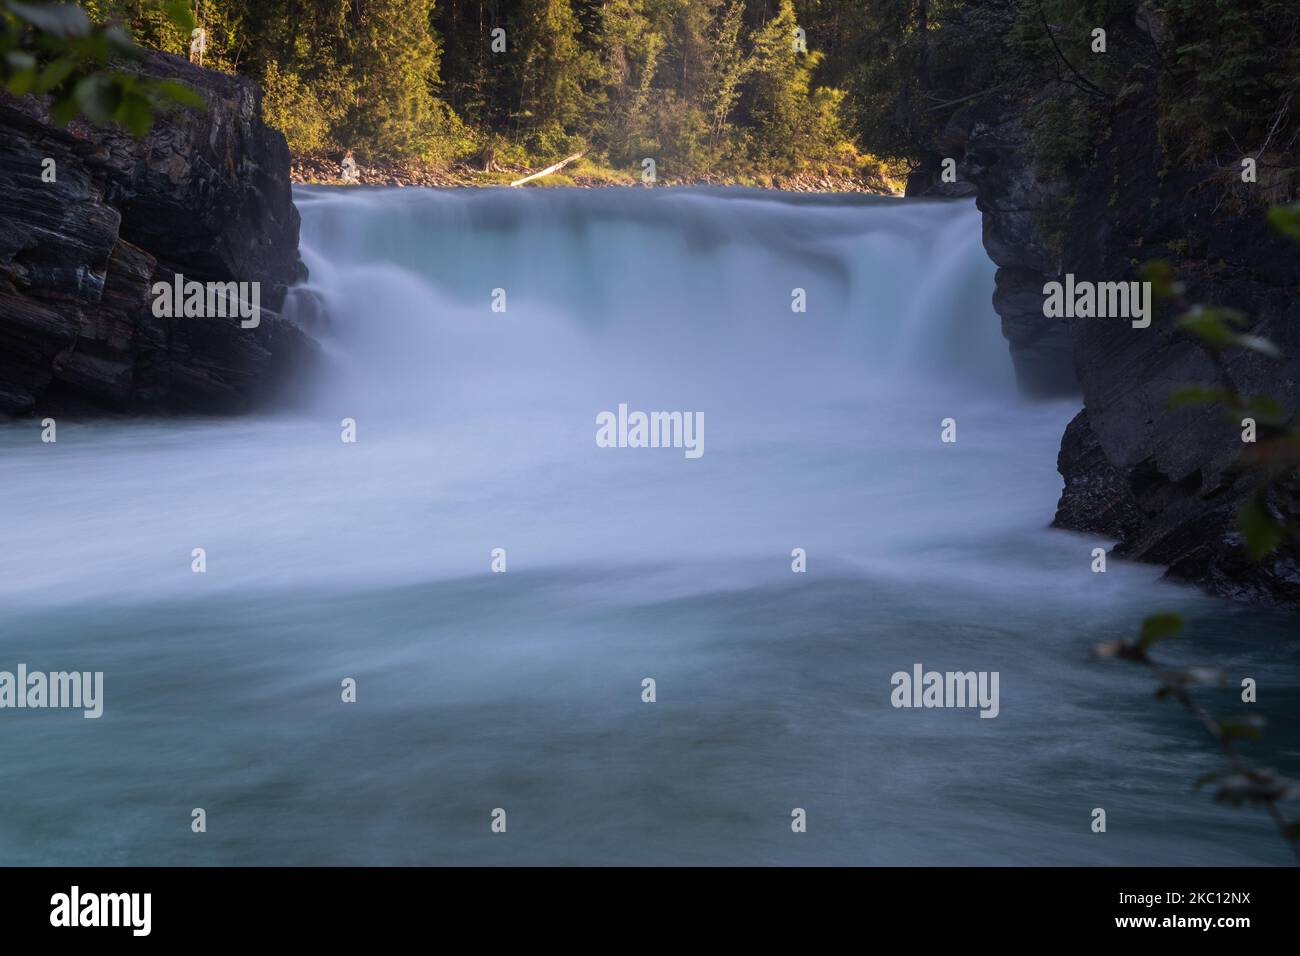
(206, 194)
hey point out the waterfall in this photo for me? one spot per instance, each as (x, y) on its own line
(685, 295)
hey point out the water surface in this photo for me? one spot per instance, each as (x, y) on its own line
(522, 690)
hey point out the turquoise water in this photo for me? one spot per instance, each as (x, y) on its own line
(522, 690)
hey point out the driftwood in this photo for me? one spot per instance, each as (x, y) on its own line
(548, 170)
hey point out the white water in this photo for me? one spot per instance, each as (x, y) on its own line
(522, 690)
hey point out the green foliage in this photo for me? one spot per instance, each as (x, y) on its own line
(1260, 530)
(556, 71)
(54, 50)
(1215, 327)
(1231, 71)
(1263, 533)
(1159, 627)
(1225, 76)
(778, 83)
(392, 112)
(700, 86)
(1063, 134)
(304, 115)
(1242, 728)
(717, 86)
(728, 69)
(1198, 395)
(1286, 219)
(888, 84)
(1239, 781)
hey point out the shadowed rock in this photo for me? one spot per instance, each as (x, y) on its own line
(206, 194)
(1165, 482)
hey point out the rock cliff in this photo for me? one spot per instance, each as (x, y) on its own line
(205, 194)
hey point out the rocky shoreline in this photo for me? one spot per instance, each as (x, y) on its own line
(325, 170)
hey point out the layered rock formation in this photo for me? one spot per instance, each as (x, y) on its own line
(206, 194)
(992, 143)
(1164, 482)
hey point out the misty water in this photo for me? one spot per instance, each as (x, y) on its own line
(522, 690)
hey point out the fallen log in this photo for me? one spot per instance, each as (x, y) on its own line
(548, 170)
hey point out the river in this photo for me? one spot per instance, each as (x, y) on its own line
(523, 690)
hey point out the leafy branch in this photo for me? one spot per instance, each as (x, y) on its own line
(52, 49)
(1276, 452)
(1241, 782)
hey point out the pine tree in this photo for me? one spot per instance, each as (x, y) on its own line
(779, 86)
(728, 68)
(629, 56)
(554, 70)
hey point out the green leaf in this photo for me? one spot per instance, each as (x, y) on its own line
(1159, 627)
(60, 19)
(1286, 219)
(135, 113)
(1262, 532)
(1261, 345)
(1242, 728)
(22, 82)
(97, 96)
(1265, 406)
(1161, 276)
(119, 41)
(1199, 395)
(180, 93)
(178, 11)
(63, 110)
(83, 50)
(54, 74)
(1212, 326)
(20, 60)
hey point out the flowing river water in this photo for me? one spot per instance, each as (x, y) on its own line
(522, 690)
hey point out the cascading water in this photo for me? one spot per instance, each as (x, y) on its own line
(523, 690)
(655, 290)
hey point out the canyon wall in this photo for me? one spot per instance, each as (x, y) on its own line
(1164, 482)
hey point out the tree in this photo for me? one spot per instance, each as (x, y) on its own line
(395, 62)
(629, 56)
(779, 85)
(728, 68)
(554, 70)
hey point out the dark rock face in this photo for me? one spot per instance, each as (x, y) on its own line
(206, 194)
(991, 142)
(1096, 497)
(1165, 482)
(1182, 465)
